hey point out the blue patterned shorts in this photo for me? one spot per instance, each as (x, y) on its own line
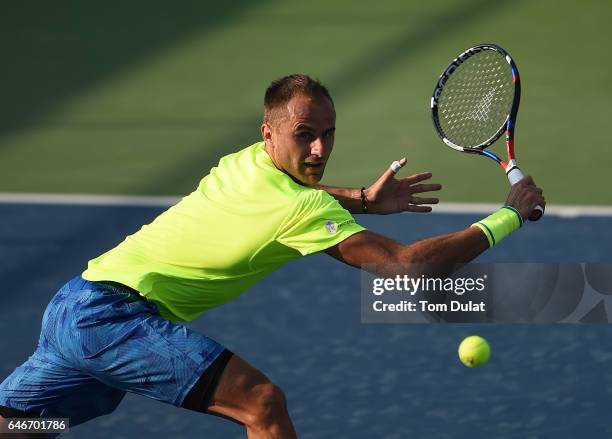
(99, 341)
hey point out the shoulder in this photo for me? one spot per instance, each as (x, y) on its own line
(319, 205)
(247, 154)
(309, 198)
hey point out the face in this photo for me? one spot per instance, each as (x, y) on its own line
(300, 140)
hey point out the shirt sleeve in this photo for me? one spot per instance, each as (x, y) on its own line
(317, 222)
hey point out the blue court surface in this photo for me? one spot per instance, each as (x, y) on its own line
(343, 378)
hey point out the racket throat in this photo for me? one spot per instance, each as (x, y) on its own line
(513, 172)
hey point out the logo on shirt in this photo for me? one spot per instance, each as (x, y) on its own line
(331, 227)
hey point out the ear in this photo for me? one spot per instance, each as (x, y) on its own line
(266, 132)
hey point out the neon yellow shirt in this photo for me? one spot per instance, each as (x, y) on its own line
(245, 219)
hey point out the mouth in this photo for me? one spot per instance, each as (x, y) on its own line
(317, 165)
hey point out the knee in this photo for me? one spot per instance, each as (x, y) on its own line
(269, 405)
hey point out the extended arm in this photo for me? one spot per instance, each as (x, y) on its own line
(438, 251)
(390, 256)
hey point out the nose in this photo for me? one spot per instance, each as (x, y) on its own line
(318, 147)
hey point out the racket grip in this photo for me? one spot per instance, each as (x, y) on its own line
(515, 175)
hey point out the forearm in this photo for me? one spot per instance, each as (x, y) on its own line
(386, 257)
(349, 198)
(454, 248)
(439, 254)
(435, 256)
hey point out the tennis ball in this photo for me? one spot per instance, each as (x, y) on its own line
(474, 351)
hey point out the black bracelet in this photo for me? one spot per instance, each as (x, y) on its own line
(364, 206)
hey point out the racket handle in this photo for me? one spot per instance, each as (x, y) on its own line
(515, 175)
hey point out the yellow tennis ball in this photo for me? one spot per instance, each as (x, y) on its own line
(474, 351)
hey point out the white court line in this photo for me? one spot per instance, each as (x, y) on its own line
(569, 211)
(165, 201)
(88, 199)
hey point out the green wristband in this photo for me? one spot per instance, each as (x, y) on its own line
(500, 224)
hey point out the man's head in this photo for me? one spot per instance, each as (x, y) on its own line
(298, 127)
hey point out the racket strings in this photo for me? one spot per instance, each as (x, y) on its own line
(476, 99)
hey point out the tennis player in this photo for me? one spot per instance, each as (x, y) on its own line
(117, 328)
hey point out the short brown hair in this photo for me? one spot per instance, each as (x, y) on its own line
(281, 91)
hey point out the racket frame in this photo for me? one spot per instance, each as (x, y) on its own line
(507, 126)
(512, 170)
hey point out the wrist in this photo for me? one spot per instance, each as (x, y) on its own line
(364, 200)
(500, 224)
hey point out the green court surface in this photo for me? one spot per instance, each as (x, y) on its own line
(144, 97)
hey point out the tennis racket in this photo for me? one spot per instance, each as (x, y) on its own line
(476, 100)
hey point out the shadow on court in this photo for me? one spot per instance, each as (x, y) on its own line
(353, 76)
(302, 327)
(57, 50)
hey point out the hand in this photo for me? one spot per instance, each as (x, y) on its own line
(524, 196)
(391, 195)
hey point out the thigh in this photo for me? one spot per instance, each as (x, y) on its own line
(48, 387)
(121, 340)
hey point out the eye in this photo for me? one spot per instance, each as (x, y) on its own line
(305, 136)
(328, 134)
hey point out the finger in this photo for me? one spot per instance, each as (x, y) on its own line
(533, 196)
(536, 214)
(423, 200)
(537, 200)
(534, 190)
(417, 177)
(418, 209)
(538, 209)
(425, 188)
(394, 168)
(527, 181)
(398, 164)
